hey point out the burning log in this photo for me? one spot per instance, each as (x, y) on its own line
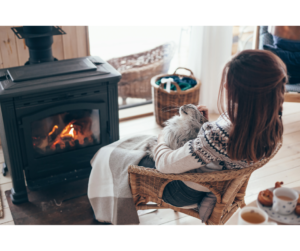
(67, 145)
(76, 143)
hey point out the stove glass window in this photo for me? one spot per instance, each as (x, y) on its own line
(66, 131)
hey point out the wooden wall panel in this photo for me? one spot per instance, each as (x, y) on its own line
(8, 47)
(1, 61)
(70, 42)
(14, 52)
(23, 52)
(82, 41)
(87, 41)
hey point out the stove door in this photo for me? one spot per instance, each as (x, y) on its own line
(64, 138)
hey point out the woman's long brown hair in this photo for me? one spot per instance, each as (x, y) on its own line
(254, 81)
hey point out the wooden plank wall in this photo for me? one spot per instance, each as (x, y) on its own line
(14, 52)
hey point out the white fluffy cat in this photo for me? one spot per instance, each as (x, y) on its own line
(180, 128)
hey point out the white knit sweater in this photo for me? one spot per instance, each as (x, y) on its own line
(206, 153)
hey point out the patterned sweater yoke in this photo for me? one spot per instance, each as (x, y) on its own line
(211, 144)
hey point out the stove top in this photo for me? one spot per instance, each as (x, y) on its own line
(29, 79)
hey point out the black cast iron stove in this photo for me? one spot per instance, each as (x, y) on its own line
(54, 115)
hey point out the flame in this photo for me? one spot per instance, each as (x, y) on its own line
(55, 143)
(71, 132)
(68, 131)
(75, 132)
(53, 130)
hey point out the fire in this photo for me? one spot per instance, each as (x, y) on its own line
(53, 130)
(69, 131)
(74, 134)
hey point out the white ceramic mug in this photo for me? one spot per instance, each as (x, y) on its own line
(241, 221)
(283, 206)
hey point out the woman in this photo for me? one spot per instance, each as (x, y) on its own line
(249, 129)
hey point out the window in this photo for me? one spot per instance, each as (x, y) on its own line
(117, 42)
(242, 38)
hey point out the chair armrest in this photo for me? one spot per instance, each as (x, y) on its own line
(202, 177)
(194, 177)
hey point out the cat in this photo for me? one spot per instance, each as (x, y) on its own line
(179, 129)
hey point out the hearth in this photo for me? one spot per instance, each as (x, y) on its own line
(54, 116)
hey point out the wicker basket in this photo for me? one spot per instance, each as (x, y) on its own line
(138, 69)
(162, 99)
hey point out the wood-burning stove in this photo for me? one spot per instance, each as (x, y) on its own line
(54, 116)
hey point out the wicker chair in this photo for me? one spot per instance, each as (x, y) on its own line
(138, 69)
(229, 186)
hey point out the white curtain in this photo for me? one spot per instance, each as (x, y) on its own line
(210, 48)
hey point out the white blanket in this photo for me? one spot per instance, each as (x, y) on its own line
(108, 190)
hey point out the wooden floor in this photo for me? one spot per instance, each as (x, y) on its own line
(284, 167)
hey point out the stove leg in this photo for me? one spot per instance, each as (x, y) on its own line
(18, 197)
(18, 192)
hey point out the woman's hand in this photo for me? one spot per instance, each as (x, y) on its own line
(160, 137)
(204, 110)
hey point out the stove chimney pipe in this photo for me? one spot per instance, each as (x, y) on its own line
(40, 48)
(39, 40)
